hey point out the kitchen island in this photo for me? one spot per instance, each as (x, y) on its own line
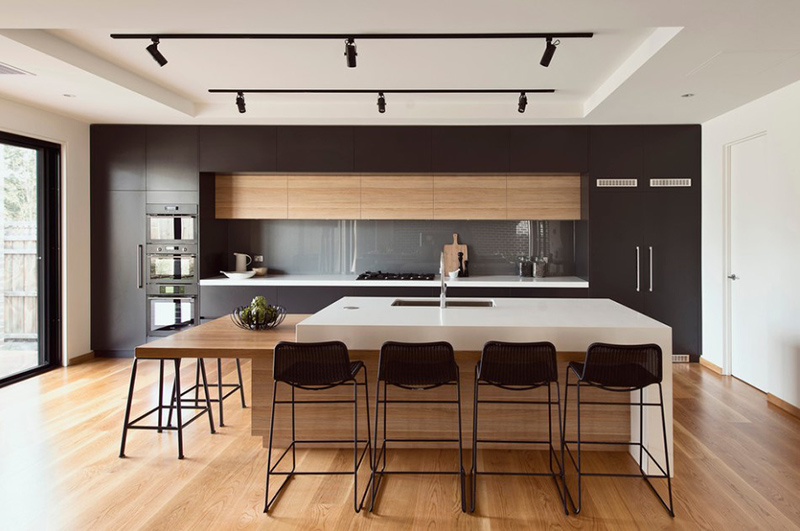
(364, 323)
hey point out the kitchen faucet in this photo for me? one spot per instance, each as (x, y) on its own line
(443, 294)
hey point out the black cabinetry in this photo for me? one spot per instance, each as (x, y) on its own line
(557, 149)
(392, 149)
(172, 158)
(469, 149)
(232, 148)
(315, 149)
(117, 156)
(645, 240)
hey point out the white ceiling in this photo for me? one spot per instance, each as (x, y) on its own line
(644, 56)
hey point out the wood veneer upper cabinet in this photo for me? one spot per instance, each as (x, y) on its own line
(234, 148)
(557, 149)
(469, 149)
(543, 196)
(324, 196)
(397, 197)
(392, 149)
(469, 197)
(315, 149)
(251, 196)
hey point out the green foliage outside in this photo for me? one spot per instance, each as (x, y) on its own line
(18, 172)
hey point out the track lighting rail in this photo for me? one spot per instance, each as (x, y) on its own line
(385, 91)
(374, 36)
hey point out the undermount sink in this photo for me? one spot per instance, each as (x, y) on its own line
(450, 303)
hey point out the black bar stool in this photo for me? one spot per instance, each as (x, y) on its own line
(416, 366)
(178, 404)
(316, 367)
(519, 367)
(221, 394)
(619, 368)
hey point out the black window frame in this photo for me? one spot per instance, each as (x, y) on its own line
(48, 191)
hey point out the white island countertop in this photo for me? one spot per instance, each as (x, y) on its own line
(495, 281)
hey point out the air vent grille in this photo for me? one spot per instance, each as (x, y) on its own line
(8, 70)
(680, 358)
(671, 183)
(617, 183)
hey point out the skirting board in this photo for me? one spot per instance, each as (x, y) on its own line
(711, 366)
(80, 359)
(784, 405)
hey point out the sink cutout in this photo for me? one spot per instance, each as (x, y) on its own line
(451, 303)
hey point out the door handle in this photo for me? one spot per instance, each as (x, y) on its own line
(651, 268)
(139, 259)
(734, 277)
(638, 272)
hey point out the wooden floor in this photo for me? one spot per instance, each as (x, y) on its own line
(736, 468)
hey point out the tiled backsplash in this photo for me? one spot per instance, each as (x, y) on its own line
(330, 247)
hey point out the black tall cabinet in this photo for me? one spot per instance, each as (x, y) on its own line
(644, 249)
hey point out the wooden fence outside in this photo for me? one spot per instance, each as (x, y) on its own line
(19, 266)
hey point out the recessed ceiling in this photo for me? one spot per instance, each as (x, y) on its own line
(643, 57)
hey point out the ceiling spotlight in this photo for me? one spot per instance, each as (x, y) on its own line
(240, 102)
(523, 102)
(687, 95)
(549, 50)
(153, 49)
(350, 52)
(381, 103)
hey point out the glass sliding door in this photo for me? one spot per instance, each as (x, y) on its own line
(29, 257)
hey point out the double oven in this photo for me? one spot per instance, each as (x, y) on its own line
(171, 268)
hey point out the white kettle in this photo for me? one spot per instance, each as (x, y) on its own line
(242, 261)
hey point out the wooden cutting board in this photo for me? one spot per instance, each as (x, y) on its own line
(451, 254)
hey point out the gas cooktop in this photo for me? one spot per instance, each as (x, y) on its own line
(380, 275)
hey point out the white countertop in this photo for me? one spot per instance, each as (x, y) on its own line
(497, 281)
(571, 324)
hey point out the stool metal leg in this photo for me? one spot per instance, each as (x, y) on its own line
(666, 450)
(474, 443)
(221, 393)
(462, 473)
(160, 392)
(202, 366)
(578, 417)
(178, 406)
(241, 385)
(128, 409)
(561, 435)
(197, 381)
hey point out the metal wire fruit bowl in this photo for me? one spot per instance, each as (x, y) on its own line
(254, 323)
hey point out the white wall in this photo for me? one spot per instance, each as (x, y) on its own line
(779, 115)
(74, 138)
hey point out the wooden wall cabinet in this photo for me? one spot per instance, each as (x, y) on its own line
(324, 197)
(469, 197)
(543, 197)
(247, 196)
(397, 197)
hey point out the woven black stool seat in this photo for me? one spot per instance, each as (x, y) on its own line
(620, 368)
(518, 364)
(316, 367)
(632, 366)
(519, 367)
(419, 366)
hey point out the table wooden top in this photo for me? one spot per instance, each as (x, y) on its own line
(221, 338)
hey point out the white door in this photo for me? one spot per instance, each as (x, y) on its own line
(751, 249)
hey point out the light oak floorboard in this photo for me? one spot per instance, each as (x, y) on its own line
(735, 467)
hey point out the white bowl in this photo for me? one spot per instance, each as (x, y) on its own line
(238, 275)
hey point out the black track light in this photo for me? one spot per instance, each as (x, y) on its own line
(549, 50)
(350, 52)
(240, 102)
(381, 103)
(523, 102)
(158, 56)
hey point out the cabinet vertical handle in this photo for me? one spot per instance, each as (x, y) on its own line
(651, 268)
(139, 259)
(638, 273)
